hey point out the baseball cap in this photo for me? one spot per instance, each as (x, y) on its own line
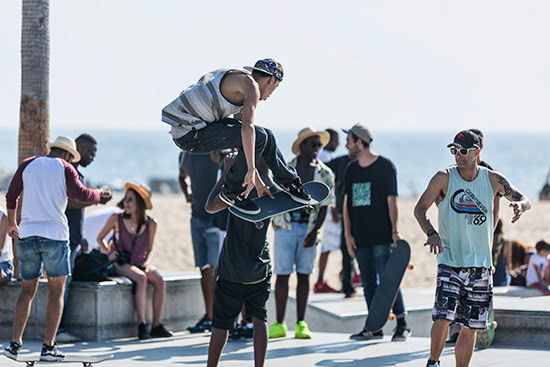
(465, 139)
(361, 132)
(268, 66)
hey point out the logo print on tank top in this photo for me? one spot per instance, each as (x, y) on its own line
(466, 203)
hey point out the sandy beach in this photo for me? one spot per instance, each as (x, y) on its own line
(173, 249)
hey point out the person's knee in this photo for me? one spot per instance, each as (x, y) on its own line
(141, 280)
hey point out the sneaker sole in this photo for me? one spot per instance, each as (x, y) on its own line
(51, 359)
(10, 356)
(232, 204)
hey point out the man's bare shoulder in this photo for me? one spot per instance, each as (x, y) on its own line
(441, 176)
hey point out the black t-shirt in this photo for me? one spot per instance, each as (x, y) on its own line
(368, 189)
(245, 253)
(75, 221)
(338, 166)
(203, 173)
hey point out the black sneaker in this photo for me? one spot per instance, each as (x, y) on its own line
(143, 334)
(237, 201)
(297, 192)
(401, 333)
(247, 331)
(51, 353)
(12, 351)
(235, 333)
(433, 363)
(160, 331)
(367, 335)
(204, 324)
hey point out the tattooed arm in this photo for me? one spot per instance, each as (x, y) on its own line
(503, 187)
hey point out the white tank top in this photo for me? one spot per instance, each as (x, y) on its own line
(466, 221)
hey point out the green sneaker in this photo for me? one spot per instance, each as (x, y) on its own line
(301, 331)
(277, 330)
(204, 324)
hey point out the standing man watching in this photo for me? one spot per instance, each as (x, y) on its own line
(205, 236)
(297, 234)
(201, 124)
(370, 221)
(43, 235)
(86, 145)
(464, 195)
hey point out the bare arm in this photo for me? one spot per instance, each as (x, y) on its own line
(311, 237)
(435, 190)
(496, 210)
(392, 205)
(152, 232)
(3, 233)
(185, 188)
(501, 185)
(109, 225)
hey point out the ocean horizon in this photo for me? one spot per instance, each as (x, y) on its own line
(143, 155)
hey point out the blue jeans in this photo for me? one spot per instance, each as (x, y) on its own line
(288, 248)
(371, 261)
(34, 251)
(225, 134)
(207, 241)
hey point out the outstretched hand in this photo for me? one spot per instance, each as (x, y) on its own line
(518, 211)
(434, 241)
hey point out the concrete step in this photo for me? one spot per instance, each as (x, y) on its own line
(523, 316)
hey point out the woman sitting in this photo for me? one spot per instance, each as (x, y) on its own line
(133, 246)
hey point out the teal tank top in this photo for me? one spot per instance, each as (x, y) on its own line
(466, 221)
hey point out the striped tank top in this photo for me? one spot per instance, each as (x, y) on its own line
(466, 221)
(200, 104)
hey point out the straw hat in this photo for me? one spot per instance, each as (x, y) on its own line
(142, 190)
(68, 144)
(308, 132)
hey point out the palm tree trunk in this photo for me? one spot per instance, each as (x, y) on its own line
(34, 114)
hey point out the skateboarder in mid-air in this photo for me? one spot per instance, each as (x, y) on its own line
(201, 124)
(465, 196)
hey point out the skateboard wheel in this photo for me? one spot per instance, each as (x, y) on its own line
(259, 225)
(309, 209)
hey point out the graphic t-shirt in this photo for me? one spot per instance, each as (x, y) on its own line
(368, 189)
(535, 261)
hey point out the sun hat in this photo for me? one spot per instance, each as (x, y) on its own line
(142, 190)
(268, 66)
(68, 144)
(361, 131)
(465, 139)
(308, 132)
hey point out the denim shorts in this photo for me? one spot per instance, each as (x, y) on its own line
(207, 241)
(289, 250)
(35, 251)
(7, 268)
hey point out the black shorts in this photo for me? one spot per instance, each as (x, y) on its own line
(463, 296)
(229, 298)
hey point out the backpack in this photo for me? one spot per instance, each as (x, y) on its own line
(93, 267)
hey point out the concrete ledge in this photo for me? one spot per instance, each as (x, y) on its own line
(105, 310)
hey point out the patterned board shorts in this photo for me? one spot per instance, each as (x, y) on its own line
(463, 296)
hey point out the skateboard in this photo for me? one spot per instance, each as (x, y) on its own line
(87, 361)
(282, 203)
(385, 295)
(485, 337)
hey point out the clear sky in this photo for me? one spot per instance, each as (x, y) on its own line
(393, 65)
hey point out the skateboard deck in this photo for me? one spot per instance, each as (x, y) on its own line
(87, 361)
(283, 203)
(386, 292)
(485, 337)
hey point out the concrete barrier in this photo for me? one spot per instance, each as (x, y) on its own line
(105, 310)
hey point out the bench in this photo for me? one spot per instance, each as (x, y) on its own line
(99, 311)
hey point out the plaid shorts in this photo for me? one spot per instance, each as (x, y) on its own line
(463, 296)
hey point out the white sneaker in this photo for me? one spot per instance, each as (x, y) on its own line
(65, 337)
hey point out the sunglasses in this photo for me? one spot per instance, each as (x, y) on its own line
(128, 199)
(463, 151)
(315, 145)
